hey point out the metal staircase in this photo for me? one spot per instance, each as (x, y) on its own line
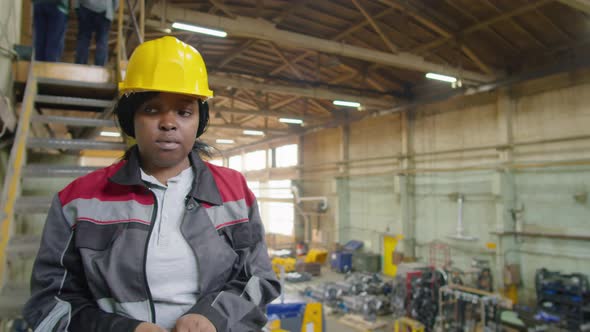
(88, 90)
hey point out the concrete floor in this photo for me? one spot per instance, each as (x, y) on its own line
(332, 320)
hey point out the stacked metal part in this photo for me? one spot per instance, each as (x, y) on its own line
(360, 293)
(423, 300)
(398, 297)
(564, 295)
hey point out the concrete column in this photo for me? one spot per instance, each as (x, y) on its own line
(342, 213)
(299, 227)
(407, 185)
(504, 187)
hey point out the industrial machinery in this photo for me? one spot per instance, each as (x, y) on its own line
(464, 308)
(564, 295)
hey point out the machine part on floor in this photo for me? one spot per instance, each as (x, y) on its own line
(326, 293)
(370, 283)
(463, 308)
(398, 297)
(564, 295)
(459, 235)
(288, 263)
(369, 306)
(422, 300)
(402, 324)
(296, 277)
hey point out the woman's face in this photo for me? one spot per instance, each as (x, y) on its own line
(166, 129)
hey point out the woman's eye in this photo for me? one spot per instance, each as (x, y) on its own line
(185, 113)
(150, 110)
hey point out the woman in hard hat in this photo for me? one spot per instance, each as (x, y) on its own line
(160, 240)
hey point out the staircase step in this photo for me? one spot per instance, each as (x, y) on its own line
(73, 144)
(33, 204)
(40, 170)
(12, 300)
(74, 121)
(61, 84)
(61, 102)
(23, 245)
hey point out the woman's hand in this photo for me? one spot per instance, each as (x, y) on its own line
(149, 327)
(193, 323)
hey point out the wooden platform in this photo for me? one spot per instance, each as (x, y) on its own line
(357, 322)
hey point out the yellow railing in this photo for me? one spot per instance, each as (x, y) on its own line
(15, 166)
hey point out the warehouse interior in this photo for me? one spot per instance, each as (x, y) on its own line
(390, 200)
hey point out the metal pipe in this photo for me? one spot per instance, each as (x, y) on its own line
(545, 235)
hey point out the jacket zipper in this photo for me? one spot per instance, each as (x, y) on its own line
(195, 205)
(147, 242)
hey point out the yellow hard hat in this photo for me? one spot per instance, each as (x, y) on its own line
(166, 64)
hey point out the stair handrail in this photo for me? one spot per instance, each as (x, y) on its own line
(15, 165)
(139, 30)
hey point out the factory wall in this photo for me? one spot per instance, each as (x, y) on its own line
(520, 158)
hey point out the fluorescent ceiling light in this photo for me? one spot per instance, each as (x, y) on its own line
(224, 141)
(440, 77)
(197, 29)
(346, 103)
(110, 134)
(288, 120)
(254, 132)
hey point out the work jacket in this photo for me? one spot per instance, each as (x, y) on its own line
(90, 272)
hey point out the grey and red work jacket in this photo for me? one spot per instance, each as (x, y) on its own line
(90, 272)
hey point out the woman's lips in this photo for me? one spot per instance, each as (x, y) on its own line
(167, 145)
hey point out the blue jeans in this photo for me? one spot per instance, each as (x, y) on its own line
(90, 22)
(49, 27)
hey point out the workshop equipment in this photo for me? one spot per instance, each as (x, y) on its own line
(564, 295)
(402, 324)
(341, 261)
(297, 317)
(463, 308)
(288, 263)
(313, 269)
(366, 262)
(316, 256)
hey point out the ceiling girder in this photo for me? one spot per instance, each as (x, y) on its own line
(261, 29)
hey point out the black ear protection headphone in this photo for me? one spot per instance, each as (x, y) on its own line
(124, 110)
(203, 117)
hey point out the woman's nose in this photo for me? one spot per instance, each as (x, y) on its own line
(168, 121)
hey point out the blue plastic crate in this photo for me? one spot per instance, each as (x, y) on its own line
(341, 261)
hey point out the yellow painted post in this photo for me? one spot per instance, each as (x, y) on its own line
(313, 318)
(15, 165)
(389, 245)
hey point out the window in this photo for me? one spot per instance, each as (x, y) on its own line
(217, 162)
(278, 216)
(235, 162)
(255, 187)
(255, 160)
(287, 155)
